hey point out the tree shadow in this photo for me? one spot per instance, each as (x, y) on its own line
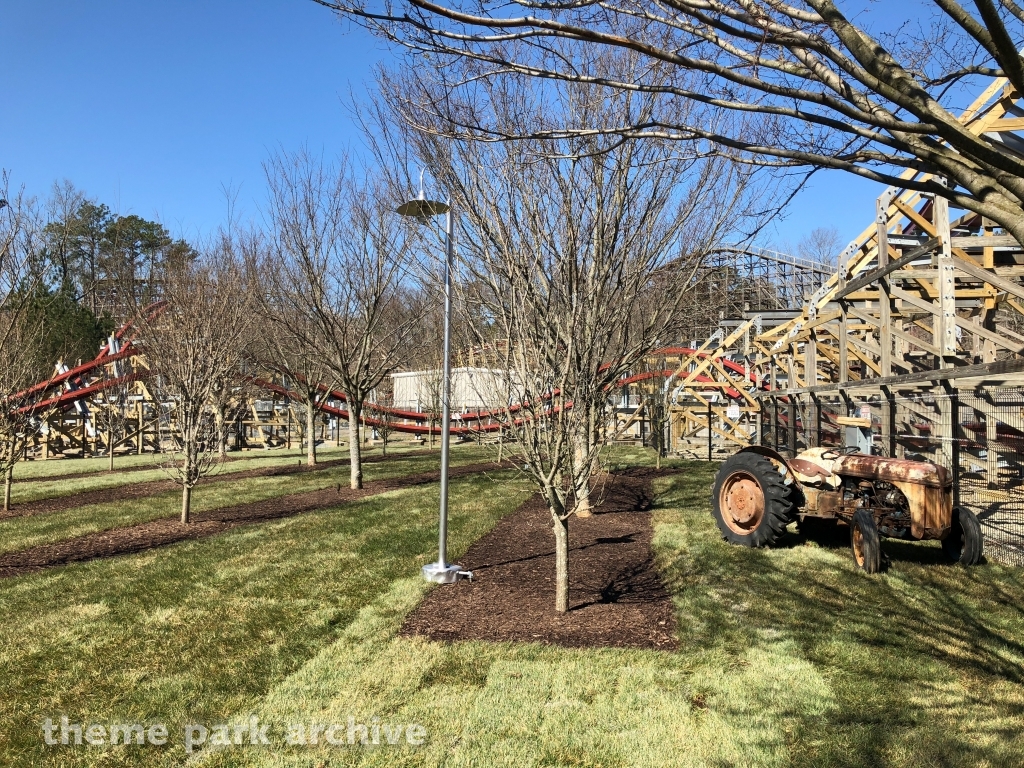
(897, 649)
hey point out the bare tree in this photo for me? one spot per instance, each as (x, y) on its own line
(380, 411)
(431, 388)
(578, 251)
(18, 421)
(655, 405)
(20, 367)
(427, 354)
(111, 406)
(285, 346)
(195, 347)
(811, 84)
(341, 278)
(821, 244)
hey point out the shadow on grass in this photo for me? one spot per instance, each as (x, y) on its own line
(924, 661)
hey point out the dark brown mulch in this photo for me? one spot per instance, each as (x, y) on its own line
(168, 530)
(616, 597)
(154, 487)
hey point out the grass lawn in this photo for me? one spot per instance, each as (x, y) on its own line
(23, 532)
(35, 480)
(787, 656)
(202, 629)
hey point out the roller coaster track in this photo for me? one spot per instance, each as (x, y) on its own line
(917, 291)
(82, 385)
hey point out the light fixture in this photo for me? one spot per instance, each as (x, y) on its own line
(422, 209)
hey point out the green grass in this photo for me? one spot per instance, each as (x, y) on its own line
(201, 630)
(39, 469)
(23, 532)
(615, 457)
(788, 656)
(36, 480)
(922, 665)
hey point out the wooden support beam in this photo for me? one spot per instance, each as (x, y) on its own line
(996, 337)
(844, 361)
(876, 275)
(990, 241)
(885, 297)
(987, 276)
(903, 335)
(915, 301)
(998, 368)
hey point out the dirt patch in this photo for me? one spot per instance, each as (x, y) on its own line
(154, 487)
(616, 596)
(159, 533)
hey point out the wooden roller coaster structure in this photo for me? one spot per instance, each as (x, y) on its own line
(922, 305)
(915, 341)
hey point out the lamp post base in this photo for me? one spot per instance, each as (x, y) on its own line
(445, 574)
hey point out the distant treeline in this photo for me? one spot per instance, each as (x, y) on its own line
(82, 259)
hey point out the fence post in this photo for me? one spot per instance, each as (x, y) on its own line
(792, 424)
(954, 433)
(775, 424)
(817, 421)
(758, 427)
(710, 433)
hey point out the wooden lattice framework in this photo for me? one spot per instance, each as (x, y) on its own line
(923, 301)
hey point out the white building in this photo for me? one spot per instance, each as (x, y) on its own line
(473, 389)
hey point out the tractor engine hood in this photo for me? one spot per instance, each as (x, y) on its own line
(893, 470)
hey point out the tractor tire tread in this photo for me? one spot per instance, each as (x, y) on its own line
(965, 543)
(871, 541)
(779, 509)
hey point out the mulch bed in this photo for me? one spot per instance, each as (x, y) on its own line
(616, 596)
(169, 530)
(154, 487)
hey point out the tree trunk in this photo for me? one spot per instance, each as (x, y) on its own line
(583, 508)
(222, 432)
(354, 447)
(8, 481)
(186, 503)
(110, 441)
(310, 434)
(582, 473)
(561, 528)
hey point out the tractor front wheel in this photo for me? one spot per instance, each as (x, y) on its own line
(964, 542)
(752, 504)
(865, 542)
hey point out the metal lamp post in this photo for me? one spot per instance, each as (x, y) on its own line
(422, 209)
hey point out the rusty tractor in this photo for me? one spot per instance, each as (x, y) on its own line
(758, 492)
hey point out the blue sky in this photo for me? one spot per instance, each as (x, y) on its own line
(154, 108)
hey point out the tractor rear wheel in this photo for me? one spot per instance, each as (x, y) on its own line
(964, 544)
(752, 504)
(865, 542)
